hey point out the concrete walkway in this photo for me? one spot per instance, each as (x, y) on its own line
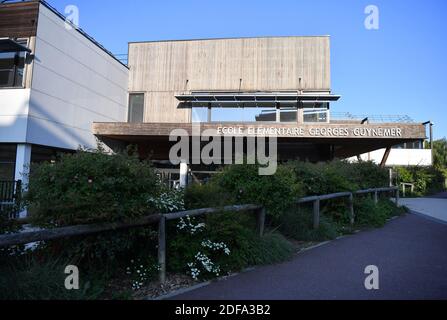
(434, 207)
(410, 252)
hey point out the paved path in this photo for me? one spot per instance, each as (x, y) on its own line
(434, 207)
(411, 253)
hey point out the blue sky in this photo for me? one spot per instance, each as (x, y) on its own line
(399, 69)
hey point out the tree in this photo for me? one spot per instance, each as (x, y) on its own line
(440, 154)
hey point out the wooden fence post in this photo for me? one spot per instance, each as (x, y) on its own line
(162, 249)
(260, 219)
(397, 196)
(351, 208)
(316, 214)
(376, 197)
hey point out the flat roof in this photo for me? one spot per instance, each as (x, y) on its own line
(61, 16)
(229, 38)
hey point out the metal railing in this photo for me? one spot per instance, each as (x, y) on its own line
(10, 193)
(372, 118)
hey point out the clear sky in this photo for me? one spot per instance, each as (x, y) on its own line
(401, 68)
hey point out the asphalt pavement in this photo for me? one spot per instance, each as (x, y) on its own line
(410, 253)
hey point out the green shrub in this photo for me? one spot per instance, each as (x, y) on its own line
(366, 174)
(368, 214)
(321, 178)
(426, 180)
(298, 224)
(244, 184)
(208, 195)
(233, 231)
(88, 187)
(95, 187)
(338, 176)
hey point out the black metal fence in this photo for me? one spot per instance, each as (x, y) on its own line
(10, 194)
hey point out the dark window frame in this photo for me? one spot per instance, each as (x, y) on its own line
(130, 115)
(17, 81)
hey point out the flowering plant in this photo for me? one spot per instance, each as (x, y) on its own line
(202, 254)
(168, 201)
(141, 272)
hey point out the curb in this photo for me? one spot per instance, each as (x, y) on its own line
(199, 285)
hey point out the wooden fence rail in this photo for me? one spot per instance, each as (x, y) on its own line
(316, 200)
(84, 230)
(8, 240)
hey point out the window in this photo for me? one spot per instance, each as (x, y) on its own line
(316, 115)
(410, 145)
(12, 67)
(288, 115)
(136, 108)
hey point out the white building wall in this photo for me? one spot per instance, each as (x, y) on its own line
(75, 83)
(14, 108)
(400, 157)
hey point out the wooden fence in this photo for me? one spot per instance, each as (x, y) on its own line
(84, 230)
(350, 195)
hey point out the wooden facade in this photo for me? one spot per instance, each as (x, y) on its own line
(19, 19)
(162, 70)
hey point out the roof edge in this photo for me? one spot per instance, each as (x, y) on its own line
(78, 29)
(228, 38)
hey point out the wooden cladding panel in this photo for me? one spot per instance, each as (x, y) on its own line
(163, 69)
(19, 19)
(262, 63)
(162, 107)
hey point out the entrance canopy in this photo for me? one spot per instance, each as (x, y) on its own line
(230, 98)
(9, 45)
(313, 142)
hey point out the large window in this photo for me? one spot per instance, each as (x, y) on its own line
(12, 66)
(136, 108)
(12, 69)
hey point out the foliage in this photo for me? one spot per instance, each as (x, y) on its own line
(26, 278)
(425, 179)
(243, 183)
(141, 271)
(192, 251)
(88, 187)
(440, 154)
(222, 243)
(338, 176)
(318, 178)
(428, 180)
(298, 224)
(368, 214)
(168, 200)
(206, 196)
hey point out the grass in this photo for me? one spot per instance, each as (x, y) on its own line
(26, 278)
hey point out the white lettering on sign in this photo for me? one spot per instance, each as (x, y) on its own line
(309, 131)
